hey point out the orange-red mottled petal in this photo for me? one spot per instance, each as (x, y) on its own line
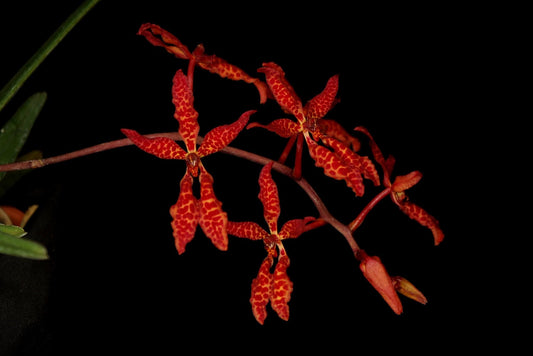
(402, 183)
(281, 286)
(213, 219)
(224, 69)
(333, 129)
(221, 136)
(185, 215)
(283, 127)
(361, 163)
(161, 147)
(268, 194)
(377, 275)
(282, 90)
(247, 230)
(334, 167)
(294, 228)
(261, 289)
(187, 116)
(378, 155)
(162, 38)
(319, 106)
(417, 213)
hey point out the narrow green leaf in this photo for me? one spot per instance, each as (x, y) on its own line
(12, 230)
(11, 244)
(15, 132)
(9, 90)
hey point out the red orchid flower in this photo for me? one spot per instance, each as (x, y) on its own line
(162, 38)
(338, 158)
(398, 188)
(270, 287)
(188, 212)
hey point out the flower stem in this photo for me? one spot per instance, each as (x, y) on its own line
(362, 215)
(324, 213)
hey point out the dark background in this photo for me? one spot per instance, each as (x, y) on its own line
(114, 280)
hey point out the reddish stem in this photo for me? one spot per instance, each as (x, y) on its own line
(297, 171)
(362, 215)
(287, 150)
(324, 213)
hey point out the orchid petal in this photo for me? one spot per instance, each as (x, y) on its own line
(334, 167)
(162, 147)
(162, 38)
(294, 228)
(377, 275)
(224, 69)
(319, 106)
(402, 183)
(283, 127)
(221, 136)
(333, 129)
(378, 155)
(261, 289)
(282, 90)
(423, 218)
(247, 230)
(185, 113)
(268, 194)
(213, 219)
(185, 215)
(361, 163)
(281, 286)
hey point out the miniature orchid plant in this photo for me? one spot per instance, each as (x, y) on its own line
(331, 147)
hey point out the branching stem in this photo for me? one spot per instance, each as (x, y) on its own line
(324, 213)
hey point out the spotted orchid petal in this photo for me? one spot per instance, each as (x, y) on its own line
(402, 183)
(268, 194)
(224, 69)
(283, 127)
(281, 286)
(294, 228)
(319, 106)
(213, 219)
(333, 129)
(282, 90)
(423, 218)
(261, 290)
(185, 215)
(334, 167)
(162, 38)
(221, 136)
(378, 155)
(247, 230)
(162, 147)
(361, 163)
(377, 275)
(187, 116)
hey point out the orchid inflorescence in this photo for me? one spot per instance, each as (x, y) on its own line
(330, 146)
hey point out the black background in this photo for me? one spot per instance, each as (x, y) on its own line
(114, 280)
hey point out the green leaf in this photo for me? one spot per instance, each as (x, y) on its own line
(9, 90)
(12, 244)
(15, 132)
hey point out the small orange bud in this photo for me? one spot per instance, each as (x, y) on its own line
(377, 275)
(403, 286)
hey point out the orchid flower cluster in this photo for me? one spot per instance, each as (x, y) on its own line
(330, 146)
